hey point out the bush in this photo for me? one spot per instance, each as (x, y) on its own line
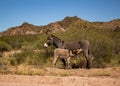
(4, 46)
(30, 58)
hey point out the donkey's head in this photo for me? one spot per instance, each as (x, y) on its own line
(53, 40)
(49, 40)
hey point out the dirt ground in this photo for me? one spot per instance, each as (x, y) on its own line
(69, 77)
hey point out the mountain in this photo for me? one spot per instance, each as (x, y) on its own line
(114, 24)
(66, 23)
(25, 28)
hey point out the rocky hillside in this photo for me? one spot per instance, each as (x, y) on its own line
(23, 29)
(67, 23)
(114, 24)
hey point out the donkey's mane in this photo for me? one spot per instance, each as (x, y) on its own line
(56, 37)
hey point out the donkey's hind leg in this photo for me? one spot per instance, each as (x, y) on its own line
(87, 59)
(69, 63)
(64, 62)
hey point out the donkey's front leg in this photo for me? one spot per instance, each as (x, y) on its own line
(55, 60)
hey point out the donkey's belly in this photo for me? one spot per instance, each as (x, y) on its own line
(63, 57)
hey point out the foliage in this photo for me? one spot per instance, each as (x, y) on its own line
(18, 41)
(105, 47)
(4, 46)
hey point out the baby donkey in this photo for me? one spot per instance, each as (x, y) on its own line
(65, 54)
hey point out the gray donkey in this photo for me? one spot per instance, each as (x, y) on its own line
(70, 45)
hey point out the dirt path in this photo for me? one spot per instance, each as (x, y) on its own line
(25, 80)
(61, 77)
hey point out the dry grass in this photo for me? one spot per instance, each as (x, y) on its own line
(49, 71)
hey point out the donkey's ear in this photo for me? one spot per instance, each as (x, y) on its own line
(47, 32)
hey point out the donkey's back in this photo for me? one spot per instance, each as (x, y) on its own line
(74, 45)
(61, 52)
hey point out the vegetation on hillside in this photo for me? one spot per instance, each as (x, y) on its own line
(21, 47)
(105, 48)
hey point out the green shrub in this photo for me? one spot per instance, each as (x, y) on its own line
(30, 58)
(4, 46)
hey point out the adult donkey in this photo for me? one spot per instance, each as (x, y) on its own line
(70, 45)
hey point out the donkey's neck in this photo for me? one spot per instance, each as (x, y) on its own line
(57, 43)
